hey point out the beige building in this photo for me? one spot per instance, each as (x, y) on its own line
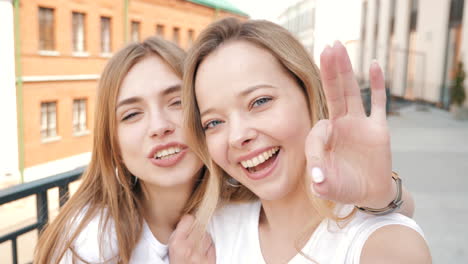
(418, 42)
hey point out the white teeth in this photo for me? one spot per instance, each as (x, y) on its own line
(166, 152)
(256, 161)
(262, 157)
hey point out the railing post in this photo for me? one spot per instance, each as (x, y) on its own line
(63, 194)
(14, 251)
(42, 210)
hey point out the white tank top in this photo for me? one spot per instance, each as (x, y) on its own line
(234, 229)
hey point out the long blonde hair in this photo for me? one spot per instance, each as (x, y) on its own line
(291, 54)
(107, 183)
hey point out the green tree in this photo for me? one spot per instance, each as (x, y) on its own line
(457, 92)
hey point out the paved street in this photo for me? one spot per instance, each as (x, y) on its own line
(430, 151)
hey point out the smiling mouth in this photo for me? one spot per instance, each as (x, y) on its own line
(167, 153)
(262, 161)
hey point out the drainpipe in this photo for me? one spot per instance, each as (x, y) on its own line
(216, 14)
(126, 21)
(19, 89)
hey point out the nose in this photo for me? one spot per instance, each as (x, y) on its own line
(161, 125)
(241, 133)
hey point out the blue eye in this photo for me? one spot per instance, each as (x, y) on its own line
(261, 101)
(211, 124)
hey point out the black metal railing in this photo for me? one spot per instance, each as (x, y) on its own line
(38, 188)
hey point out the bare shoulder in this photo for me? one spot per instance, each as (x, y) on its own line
(395, 244)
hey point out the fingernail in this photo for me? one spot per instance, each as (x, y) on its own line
(317, 175)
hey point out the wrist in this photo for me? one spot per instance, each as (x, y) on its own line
(390, 207)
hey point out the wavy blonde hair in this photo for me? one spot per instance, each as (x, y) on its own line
(102, 187)
(294, 59)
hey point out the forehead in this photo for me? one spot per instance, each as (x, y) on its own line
(151, 74)
(238, 64)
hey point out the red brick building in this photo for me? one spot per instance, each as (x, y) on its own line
(64, 46)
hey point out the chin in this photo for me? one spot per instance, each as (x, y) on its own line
(272, 191)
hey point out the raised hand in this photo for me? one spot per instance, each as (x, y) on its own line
(348, 155)
(184, 248)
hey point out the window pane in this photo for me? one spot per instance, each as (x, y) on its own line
(52, 119)
(160, 30)
(75, 115)
(105, 35)
(82, 115)
(191, 36)
(79, 115)
(46, 29)
(78, 32)
(176, 36)
(135, 35)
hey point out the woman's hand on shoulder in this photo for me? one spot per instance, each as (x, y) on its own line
(185, 248)
(395, 244)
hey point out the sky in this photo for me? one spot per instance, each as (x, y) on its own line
(263, 9)
(335, 19)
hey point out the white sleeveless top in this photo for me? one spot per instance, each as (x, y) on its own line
(87, 245)
(234, 229)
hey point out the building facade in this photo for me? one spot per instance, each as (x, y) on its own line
(299, 19)
(61, 48)
(419, 44)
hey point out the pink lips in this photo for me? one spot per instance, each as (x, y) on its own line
(171, 161)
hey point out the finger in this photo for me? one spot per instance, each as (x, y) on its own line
(205, 245)
(379, 98)
(317, 143)
(209, 247)
(183, 228)
(348, 81)
(211, 255)
(333, 91)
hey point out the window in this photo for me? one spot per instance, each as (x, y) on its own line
(160, 30)
(190, 37)
(135, 33)
(78, 29)
(105, 35)
(48, 120)
(46, 29)
(176, 35)
(79, 116)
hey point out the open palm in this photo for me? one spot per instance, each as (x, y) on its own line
(351, 149)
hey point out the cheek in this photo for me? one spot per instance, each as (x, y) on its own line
(217, 149)
(288, 123)
(127, 138)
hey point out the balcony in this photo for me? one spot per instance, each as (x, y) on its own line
(19, 228)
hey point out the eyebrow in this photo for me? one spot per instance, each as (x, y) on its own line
(255, 87)
(171, 89)
(242, 94)
(132, 100)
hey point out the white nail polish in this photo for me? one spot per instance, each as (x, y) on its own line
(317, 175)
